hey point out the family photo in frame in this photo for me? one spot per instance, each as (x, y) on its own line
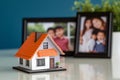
(62, 30)
(93, 37)
(87, 35)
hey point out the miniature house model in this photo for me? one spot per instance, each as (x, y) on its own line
(39, 52)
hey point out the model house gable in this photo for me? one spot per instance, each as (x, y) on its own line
(48, 43)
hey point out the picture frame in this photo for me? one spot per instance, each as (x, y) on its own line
(69, 22)
(93, 35)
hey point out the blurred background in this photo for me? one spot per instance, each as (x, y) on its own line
(12, 12)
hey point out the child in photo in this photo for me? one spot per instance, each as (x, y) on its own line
(91, 42)
(98, 23)
(60, 38)
(51, 32)
(86, 34)
(100, 43)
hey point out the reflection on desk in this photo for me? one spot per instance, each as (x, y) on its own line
(77, 69)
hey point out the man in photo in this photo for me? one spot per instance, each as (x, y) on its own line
(100, 43)
(60, 38)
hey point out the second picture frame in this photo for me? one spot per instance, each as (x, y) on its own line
(94, 35)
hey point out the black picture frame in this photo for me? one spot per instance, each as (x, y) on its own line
(81, 52)
(47, 20)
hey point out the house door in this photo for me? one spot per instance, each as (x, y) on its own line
(51, 62)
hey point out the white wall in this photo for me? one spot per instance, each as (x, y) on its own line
(50, 45)
(24, 64)
(34, 63)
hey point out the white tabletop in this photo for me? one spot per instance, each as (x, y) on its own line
(77, 69)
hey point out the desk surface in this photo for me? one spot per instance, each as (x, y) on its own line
(77, 69)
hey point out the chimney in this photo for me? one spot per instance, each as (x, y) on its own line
(37, 36)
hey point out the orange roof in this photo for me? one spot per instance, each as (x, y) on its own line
(47, 52)
(29, 47)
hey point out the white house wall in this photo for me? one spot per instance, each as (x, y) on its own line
(34, 62)
(50, 45)
(24, 64)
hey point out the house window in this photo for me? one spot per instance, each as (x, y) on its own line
(45, 45)
(27, 62)
(40, 62)
(21, 61)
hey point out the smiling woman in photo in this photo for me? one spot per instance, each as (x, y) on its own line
(98, 23)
